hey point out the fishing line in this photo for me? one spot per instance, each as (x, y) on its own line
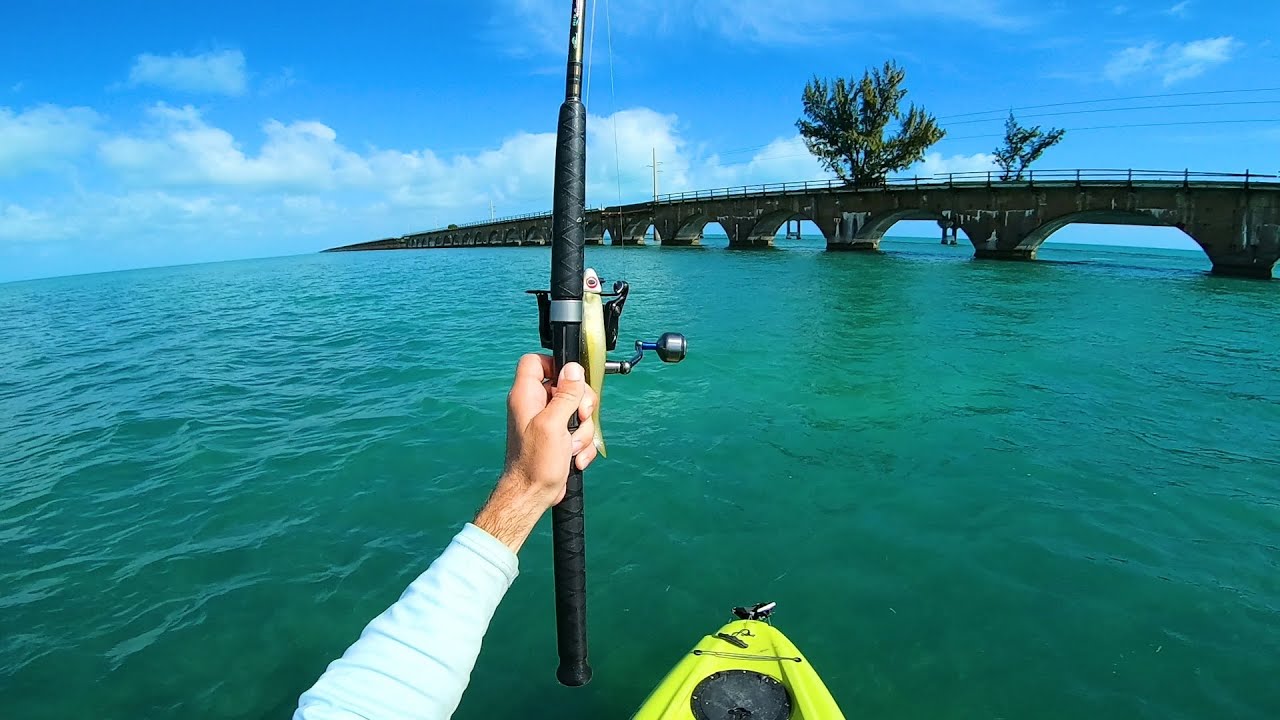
(613, 99)
(617, 155)
(591, 49)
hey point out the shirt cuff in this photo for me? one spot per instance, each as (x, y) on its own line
(491, 550)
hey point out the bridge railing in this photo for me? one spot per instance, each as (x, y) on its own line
(963, 179)
(992, 177)
(1128, 176)
(481, 223)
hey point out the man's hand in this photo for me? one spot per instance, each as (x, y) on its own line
(539, 447)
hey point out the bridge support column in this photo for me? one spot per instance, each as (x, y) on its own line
(627, 240)
(1014, 253)
(1001, 236)
(739, 230)
(847, 234)
(665, 226)
(1249, 250)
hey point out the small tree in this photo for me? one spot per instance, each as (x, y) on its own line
(846, 123)
(1023, 146)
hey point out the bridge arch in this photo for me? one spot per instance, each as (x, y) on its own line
(594, 231)
(1038, 236)
(624, 231)
(536, 235)
(762, 234)
(495, 238)
(688, 231)
(877, 225)
(512, 237)
(649, 233)
(638, 228)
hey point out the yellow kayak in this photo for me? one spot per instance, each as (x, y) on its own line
(748, 670)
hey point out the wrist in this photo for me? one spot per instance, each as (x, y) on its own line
(511, 512)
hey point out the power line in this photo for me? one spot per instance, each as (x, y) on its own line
(1078, 129)
(1139, 125)
(1081, 129)
(1125, 109)
(1159, 96)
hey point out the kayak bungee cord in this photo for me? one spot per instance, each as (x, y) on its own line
(560, 329)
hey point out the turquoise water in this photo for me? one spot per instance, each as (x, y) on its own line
(976, 489)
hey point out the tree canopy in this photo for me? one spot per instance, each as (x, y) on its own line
(1023, 146)
(845, 123)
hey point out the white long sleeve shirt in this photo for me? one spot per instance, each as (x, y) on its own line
(415, 659)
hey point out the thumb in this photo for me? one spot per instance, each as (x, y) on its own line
(569, 391)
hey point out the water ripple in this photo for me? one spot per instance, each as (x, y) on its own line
(953, 474)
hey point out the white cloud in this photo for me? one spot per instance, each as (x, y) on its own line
(179, 180)
(935, 164)
(20, 224)
(44, 136)
(783, 160)
(222, 72)
(182, 149)
(1179, 10)
(1173, 62)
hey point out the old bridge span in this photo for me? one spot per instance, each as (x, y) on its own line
(1235, 219)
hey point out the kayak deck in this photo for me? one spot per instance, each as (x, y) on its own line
(757, 648)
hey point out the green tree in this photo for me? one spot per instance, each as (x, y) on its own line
(846, 120)
(1023, 146)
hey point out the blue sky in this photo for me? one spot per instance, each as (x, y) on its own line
(136, 134)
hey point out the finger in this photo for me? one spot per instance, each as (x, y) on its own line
(568, 394)
(528, 395)
(583, 437)
(534, 366)
(588, 404)
(585, 457)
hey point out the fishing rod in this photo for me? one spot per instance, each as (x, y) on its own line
(560, 319)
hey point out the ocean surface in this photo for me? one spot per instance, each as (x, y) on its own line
(976, 489)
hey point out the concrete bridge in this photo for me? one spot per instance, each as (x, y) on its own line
(1234, 219)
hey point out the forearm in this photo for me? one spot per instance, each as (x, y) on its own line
(415, 659)
(511, 513)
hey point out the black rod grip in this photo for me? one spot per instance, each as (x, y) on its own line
(571, 585)
(569, 205)
(567, 519)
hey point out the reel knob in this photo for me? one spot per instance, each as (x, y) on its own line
(672, 347)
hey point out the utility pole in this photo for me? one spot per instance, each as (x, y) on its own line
(490, 209)
(655, 174)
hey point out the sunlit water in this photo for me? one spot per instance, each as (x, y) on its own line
(976, 489)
